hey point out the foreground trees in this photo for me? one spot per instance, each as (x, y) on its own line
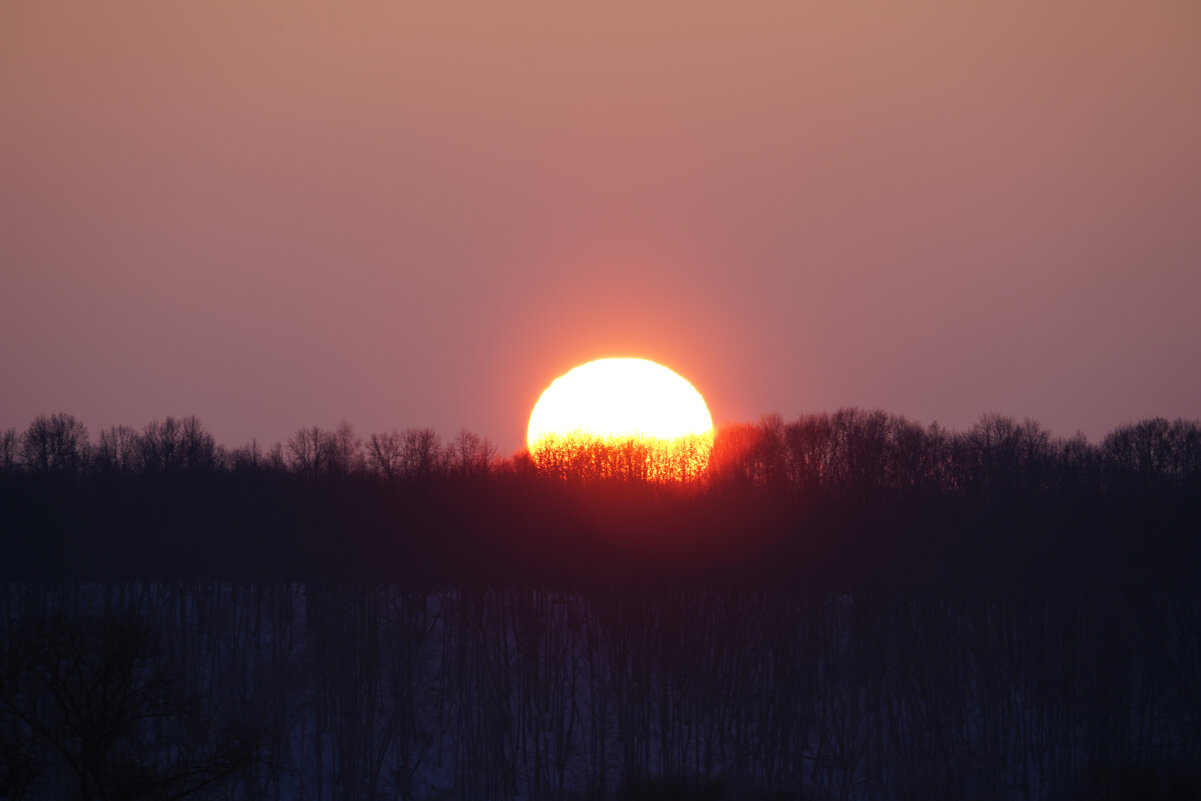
(361, 692)
(88, 701)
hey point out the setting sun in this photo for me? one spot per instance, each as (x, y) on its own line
(622, 417)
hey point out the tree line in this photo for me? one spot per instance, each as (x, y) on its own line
(849, 496)
(58, 444)
(847, 451)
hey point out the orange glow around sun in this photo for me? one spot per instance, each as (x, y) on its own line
(621, 417)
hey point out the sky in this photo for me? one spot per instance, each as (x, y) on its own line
(274, 215)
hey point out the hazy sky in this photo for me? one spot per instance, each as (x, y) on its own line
(408, 214)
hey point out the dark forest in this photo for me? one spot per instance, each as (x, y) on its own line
(843, 606)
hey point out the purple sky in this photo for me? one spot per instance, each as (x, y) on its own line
(409, 214)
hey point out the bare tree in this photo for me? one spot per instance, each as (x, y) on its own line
(306, 449)
(96, 695)
(119, 449)
(1006, 455)
(55, 444)
(198, 449)
(469, 454)
(316, 452)
(162, 445)
(385, 453)
(344, 451)
(8, 450)
(1142, 447)
(421, 453)
(249, 456)
(733, 448)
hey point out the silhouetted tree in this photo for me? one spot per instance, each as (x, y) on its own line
(198, 447)
(119, 450)
(1155, 452)
(314, 452)
(733, 448)
(162, 446)
(247, 457)
(344, 450)
(421, 453)
(114, 721)
(809, 448)
(469, 454)
(8, 450)
(176, 445)
(55, 444)
(1008, 457)
(385, 453)
(275, 459)
(308, 451)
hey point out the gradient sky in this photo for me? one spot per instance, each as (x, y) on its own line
(282, 214)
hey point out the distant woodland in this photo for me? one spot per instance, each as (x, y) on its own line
(846, 606)
(852, 498)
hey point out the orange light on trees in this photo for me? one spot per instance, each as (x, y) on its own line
(621, 418)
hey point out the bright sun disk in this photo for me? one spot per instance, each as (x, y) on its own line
(619, 402)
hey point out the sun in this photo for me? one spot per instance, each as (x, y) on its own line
(622, 417)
